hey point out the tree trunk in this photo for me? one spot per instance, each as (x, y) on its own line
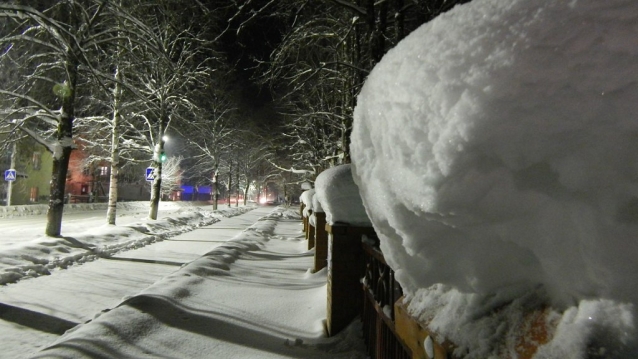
(378, 33)
(230, 182)
(259, 193)
(115, 150)
(246, 194)
(237, 188)
(399, 21)
(56, 198)
(62, 152)
(156, 188)
(214, 189)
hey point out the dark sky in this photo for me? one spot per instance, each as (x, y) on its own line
(253, 43)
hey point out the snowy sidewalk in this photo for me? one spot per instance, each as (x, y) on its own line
(250, 297)
(34, 312)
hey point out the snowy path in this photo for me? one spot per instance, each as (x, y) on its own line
(250, 297)
(36, 311)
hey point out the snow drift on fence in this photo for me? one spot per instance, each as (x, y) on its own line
(495, 149)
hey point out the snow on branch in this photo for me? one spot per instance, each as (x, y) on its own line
(293, 170)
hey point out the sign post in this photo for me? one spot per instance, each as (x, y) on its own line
(9, 176)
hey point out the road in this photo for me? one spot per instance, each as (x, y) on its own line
(34, 312)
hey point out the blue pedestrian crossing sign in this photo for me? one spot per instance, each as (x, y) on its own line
(10, 175)
(149, 174)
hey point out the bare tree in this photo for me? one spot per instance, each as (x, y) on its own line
(170, 71)
(55, 49)
(211, 133)
(318, 69)
(115, 137)
(251, 155)
(316, 74)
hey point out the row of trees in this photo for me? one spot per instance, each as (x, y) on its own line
(114, 77)
(317, 70)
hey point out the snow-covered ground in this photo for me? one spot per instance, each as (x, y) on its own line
(249, 295)
(26, 252)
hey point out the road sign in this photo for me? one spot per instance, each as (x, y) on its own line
(149, 174)
(10, 175)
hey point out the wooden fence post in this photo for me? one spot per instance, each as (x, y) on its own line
(320, 242)
(345, 269)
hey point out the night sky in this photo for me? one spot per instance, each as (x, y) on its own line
(256, 40)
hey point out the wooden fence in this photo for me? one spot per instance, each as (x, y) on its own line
(360, 284)
(380, 291)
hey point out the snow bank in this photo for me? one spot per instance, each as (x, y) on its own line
(41, 209)
(43, 254)
(495, 147)
(339, 197)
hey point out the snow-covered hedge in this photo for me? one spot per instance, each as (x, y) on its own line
(496, 152)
